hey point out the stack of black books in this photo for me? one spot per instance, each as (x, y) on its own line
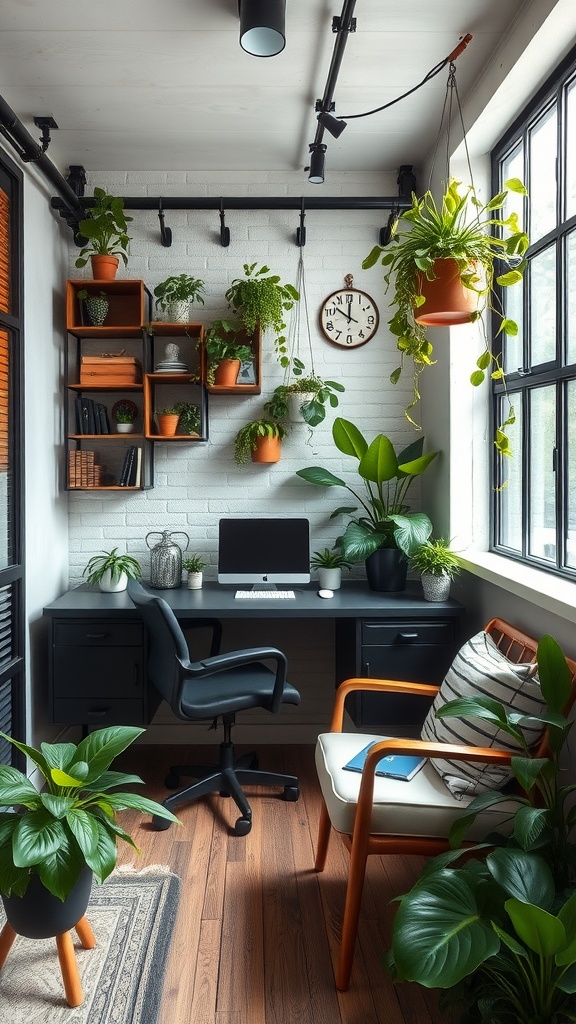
(131, 472)
(91, 417)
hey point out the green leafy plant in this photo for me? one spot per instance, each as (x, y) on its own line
(318, 393)
(194, 563)
(125, 413)
(329, 558)
(436, 559)
(247, 437)
(115, 564)
(178, 289)
(105, 228)
(463, 229)
(385, 520)
(222, 342)
(169, 410)
(261, 301)
(72, 823)
(189, 413)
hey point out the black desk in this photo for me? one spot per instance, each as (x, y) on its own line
(98, 644)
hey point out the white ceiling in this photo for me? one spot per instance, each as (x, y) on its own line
(164, 85)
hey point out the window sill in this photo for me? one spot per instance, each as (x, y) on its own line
(547, 592)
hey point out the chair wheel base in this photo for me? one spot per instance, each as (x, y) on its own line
(291, 793)
(172, 781)
(242, 826)
(160, 824)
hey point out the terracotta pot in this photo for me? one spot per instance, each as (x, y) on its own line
(268, 449)
(447, 300)
(168, 424)
(226, 373)
(104, 267)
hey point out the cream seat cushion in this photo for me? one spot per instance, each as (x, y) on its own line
(424, 806)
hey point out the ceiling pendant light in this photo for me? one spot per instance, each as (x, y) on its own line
(262, 29)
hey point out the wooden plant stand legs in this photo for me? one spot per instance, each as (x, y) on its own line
(65, 946)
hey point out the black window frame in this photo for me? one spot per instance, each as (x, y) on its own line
(520, 384)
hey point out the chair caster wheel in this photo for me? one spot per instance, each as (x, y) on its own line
(172, 781)
(242, 826)
(160, 824)
(291, 793)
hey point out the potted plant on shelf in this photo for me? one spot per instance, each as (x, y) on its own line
(175, 295)
(261, 301)
(225, 352)
(445, 272)
(194, 565)
(111, 571)
(57, 840)
(329, 562)
(105, 228)
(97, 306)
(438, 566)
(167, 421)
(188, 418)
(385, 532)
(124, 414)
(259, 440)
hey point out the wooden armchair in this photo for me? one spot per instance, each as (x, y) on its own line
(377, 815)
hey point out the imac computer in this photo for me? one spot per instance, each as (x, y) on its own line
(262, 552)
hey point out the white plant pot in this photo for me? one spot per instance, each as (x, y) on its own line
(194, 581)
(329, 579)
(436, 588)
(294, 404)
(110, 586)
(179, 311)
(124, 428)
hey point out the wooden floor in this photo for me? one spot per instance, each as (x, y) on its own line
(256, 935)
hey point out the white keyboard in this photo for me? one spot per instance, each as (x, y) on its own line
(265, 595)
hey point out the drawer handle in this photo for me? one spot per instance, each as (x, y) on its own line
(408, 636)
(96, 636)
(98, 714)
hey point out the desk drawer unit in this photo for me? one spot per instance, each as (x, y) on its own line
(98, 673)
(420, 650)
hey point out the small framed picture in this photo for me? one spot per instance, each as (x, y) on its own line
(246, 373)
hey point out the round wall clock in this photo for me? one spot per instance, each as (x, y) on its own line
(349, 317)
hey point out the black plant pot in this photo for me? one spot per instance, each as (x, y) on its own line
(386, 569)
(38, 914)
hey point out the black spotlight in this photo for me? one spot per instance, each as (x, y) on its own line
(262, 31)
(332, 124)
(317, 160)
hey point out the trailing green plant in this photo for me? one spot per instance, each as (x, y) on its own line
(221, 342)
(434, 558)
(125, 413)
(247, 437)
(329, 558)
(189, 421)
(385, 520)
(194, 563)
(466, 230)
(72, 823)
(178, 289)
(318, 394)
(261, 301)
(105, 228)
(116, 564)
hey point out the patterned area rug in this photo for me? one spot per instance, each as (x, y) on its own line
(132, 917)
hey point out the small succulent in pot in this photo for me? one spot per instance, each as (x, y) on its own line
(329, 558)
(194, 563)
(111, 571)
(97, 306)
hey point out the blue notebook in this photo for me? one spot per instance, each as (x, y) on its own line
(393, 766)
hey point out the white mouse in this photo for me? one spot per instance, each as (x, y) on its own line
(325, 593)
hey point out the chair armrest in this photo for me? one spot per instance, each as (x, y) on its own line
(383, 686)
(234, 659)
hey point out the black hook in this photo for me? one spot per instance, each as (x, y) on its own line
(301, 231)
(165, 233)
(224, 231)
(386, 232)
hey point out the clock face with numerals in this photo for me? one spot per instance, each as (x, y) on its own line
(349, 317)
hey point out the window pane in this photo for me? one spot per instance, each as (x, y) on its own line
(513, 167)
(543, 307)
(513, 347)
(511, 494)
(570, 136)
(542, 187)
(571, 299)
(571, 463)
(542, 526)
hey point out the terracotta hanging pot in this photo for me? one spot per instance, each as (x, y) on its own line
(226, 373)
(104, 267)
(168, 424)
(268, 449)
(446, 300)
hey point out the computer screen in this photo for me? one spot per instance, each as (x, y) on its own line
(264, 551)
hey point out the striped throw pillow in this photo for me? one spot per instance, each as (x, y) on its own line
(480, 669)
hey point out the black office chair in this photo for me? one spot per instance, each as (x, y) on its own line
(215, 688)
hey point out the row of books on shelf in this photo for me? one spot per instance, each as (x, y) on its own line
(91, 417)
(84, 471)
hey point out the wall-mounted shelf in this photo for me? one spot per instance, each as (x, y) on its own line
(169, 344)
(129, 308)
(249, 387)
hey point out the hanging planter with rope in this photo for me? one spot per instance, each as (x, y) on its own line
(447, 267)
